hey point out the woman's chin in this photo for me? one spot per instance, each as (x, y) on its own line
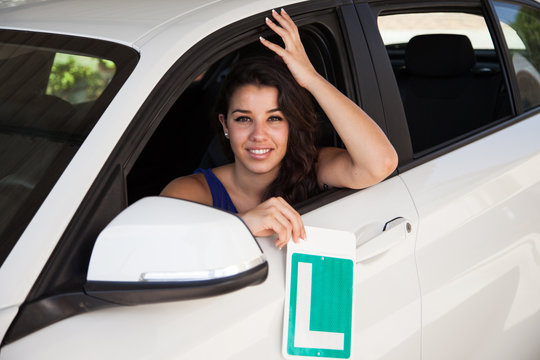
(262, 168)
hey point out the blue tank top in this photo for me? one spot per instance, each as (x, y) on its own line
(220, 196)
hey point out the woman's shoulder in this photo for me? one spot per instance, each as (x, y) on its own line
(191, 187)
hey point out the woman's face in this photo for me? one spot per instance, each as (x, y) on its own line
(258, 131)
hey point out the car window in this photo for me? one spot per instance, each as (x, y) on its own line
(448, 72)
(521, 29)
(49, 100)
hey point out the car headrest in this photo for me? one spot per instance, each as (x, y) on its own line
(439, 55)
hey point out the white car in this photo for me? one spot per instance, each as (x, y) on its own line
(103, 102)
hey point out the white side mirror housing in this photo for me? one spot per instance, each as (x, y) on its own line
(162, 249)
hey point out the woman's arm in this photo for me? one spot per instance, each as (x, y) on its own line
(369, 157)
(192, 187)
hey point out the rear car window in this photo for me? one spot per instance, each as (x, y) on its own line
(448, 73)
(521, 29)
(52, 91)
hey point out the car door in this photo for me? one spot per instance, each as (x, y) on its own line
(476, 189)
(246, 323)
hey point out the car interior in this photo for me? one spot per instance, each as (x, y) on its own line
(446, 92)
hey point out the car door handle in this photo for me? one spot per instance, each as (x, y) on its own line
(394, 231)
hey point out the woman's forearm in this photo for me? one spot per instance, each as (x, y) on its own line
(368, 149)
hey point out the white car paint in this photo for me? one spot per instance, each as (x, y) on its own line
(160, 239)
(471, 268)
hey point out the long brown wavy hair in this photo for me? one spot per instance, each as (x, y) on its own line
(297, 176)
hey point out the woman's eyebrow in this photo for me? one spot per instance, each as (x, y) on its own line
(247, 111)
(240, 111)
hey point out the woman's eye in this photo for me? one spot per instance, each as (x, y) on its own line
(275, 118)
(242, 119)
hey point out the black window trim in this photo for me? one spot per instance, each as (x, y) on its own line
(394, 114)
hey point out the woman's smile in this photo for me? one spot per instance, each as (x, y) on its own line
(259, 151)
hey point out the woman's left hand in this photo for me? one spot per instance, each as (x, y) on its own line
(294, 54)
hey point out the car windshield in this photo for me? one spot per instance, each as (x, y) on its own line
(52, 91)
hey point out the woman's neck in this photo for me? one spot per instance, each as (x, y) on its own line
(248, 187)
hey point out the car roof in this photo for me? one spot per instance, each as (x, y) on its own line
(122, 21)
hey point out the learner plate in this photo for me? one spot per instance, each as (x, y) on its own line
(318, 314)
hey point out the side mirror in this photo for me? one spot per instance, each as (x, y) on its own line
(162, 249)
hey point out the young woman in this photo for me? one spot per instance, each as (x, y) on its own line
(268, 118)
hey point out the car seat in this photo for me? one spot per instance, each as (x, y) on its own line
(444, 95)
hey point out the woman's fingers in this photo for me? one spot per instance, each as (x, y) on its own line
(285, 21)
(293, 54)
(284, 229)
(288, 218)
(281, 31)
(277, 216)
(286, 29)
(285, 36)
(292, 216)
(295, 219)
(275, 48)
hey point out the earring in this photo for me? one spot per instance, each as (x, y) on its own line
(226, 134)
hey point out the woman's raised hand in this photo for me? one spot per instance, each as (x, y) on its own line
(293, 54)
(275, 215)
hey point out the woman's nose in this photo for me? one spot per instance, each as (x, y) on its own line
(259, 130)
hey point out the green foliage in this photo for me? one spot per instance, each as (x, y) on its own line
(527, 25)
(79, 79)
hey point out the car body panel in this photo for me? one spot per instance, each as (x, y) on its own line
(116, 22)
(478, 244)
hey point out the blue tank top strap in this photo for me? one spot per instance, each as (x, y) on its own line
(220, 196)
